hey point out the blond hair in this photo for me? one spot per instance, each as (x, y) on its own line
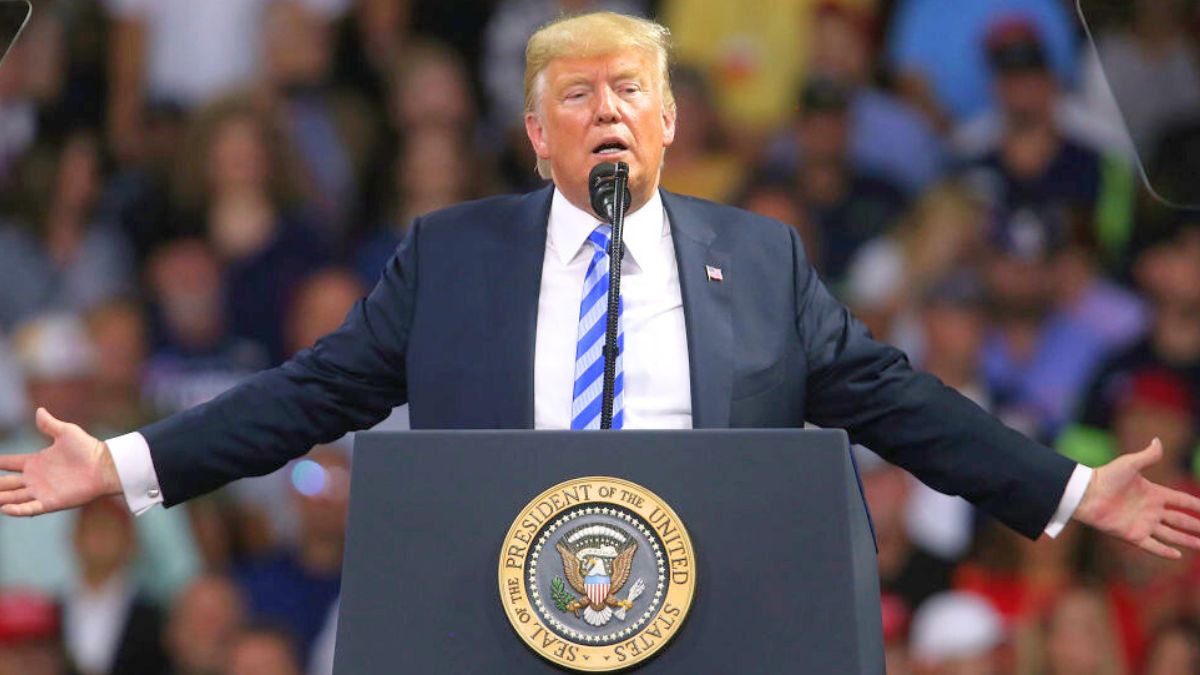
(588, 35)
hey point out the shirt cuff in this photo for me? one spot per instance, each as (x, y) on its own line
(135, 469)
(1076, 487)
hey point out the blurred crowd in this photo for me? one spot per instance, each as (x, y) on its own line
(193, 190)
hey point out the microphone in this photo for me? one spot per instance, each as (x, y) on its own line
(608, 187)
(602, 188)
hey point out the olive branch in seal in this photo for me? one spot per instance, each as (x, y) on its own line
(558, 592)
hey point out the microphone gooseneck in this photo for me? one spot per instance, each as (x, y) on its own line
(608, 187)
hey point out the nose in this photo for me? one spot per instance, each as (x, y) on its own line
(607, 110)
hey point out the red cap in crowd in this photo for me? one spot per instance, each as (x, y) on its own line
(26, 616)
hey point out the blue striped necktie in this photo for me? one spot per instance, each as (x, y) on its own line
(589, 350)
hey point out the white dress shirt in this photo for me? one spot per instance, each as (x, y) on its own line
(658, 392)
(94, 621)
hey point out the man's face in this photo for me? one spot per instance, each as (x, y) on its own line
(602, 109)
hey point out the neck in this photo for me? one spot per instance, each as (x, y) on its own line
(583, 203)
(94, 578)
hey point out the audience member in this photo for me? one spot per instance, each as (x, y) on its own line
(30, 642)
(957, 633)
(262, 651)
(888, 137)
(195, 357)
(1175, 649)
(58, 362)
(934, 47)
(54, 255)
(941, 237)
(1032, 160)
(108, 625)
(1036, 358)
(1143, 74)
(203, 622)
(848, 208)
(1078, 638)
(1168, 272)
(701, 164)
(296, 584)
(117, 330)
(238, 184)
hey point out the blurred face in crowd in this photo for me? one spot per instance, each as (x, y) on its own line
(602, 109)
(262, 653)
(105, 540)
(297, 44)
(79, 172)
(186, 283)
(432, 91)
(1175, 650)
(954, 333)
(1076, 627)
(1170, 271)
(434, 172)
(980, 664)
(1027, 96)
(320, 306)
(324, 499)
(824, 135)
(203, 621)
(840, 48)
(119, 337)
(1138, 423)
(1019, 287)
(238, 159)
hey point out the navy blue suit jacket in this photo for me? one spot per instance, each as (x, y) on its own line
(450, 329)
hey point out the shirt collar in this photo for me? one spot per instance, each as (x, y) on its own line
(644, 230)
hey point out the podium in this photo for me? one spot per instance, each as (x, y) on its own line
(783, 562)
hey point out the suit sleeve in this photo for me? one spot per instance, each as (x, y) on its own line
(913, 420)
(351, 379)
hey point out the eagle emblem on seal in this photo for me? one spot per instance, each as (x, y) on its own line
(597, 560)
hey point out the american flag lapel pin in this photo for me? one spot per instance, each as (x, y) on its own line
(714, 273)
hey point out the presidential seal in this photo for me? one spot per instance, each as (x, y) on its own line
(597, 574)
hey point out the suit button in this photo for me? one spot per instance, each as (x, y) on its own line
(153, 493)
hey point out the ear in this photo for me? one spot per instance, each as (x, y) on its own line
(537, 135)
(668, 119)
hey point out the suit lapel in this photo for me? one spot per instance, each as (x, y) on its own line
(516, 274)
(706, 309)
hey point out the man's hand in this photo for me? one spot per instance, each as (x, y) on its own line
(1120, 502)
(73, 471)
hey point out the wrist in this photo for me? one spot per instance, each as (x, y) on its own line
(110, 480)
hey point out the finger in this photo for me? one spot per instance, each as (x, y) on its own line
(1148, 544)
(48, 424)
(1181, 521)
(11, 482)
(30, 508)
(1182, 500)
(1170, 536)
(16, 496)
(13, 462)
(1149, 456)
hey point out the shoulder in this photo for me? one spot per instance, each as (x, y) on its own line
(490, 214)
(728, 221)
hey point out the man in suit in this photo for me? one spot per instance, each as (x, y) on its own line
(487, 318)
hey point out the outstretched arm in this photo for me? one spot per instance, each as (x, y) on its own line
(351, 379)
(948, 442)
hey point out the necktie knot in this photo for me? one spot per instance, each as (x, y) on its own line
(600, 237)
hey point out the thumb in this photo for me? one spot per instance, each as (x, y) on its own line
(1148, 457)
(50, 425)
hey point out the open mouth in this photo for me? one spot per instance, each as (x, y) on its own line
(609, 148)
